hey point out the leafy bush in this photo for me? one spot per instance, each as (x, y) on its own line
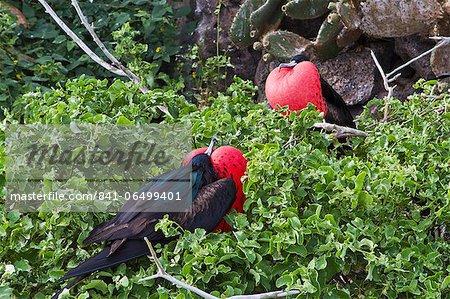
(359, 219)
(96, 101)
(41, 55)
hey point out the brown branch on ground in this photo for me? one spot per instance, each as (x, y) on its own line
(20, 56)
(340, 131)
(163, 274)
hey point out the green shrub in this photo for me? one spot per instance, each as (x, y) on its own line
(41, 55)
(97, 101)
(359, 219)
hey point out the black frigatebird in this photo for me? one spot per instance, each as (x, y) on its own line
(298, 83)
(211, 200)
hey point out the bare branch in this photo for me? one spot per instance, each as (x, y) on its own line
(102, 47)
(380, 69)
(120, 70)
(19, 55)
(443, 41)
(79, 42)
(340, 130)
(163, 274)
(388, 88)
(387, 78)
(440, 37)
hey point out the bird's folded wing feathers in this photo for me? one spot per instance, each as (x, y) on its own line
(131, 249)
(212, 203)
(141, 215)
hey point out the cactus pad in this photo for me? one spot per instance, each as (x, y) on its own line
(267, 18)
(326, 38)
(285, 44)
(305, 9)
(349, 15)
(241, 27)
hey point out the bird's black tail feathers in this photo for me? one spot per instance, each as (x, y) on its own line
(129, 250)
(69, 285)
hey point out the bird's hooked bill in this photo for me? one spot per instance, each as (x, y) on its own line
(288, 65)
(211, 146)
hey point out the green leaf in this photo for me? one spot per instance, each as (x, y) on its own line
(446, 282)
(97, 285)
(321, 263)
(22, 265)
(359, 181)
(5, 292)
(285, 280)
(122, 120)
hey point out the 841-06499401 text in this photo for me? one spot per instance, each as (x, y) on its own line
(106, 196)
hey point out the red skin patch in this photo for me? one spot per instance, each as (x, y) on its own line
(228, 162)
(295, 87)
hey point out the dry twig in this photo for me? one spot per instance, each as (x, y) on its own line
(163, 274)
(393, 75)
(341, 132)
(101, 45)
(79, 42)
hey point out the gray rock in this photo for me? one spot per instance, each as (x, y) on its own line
(412, 46)
(395, 18)
(352, 75)
(446, 7)
(440, 61)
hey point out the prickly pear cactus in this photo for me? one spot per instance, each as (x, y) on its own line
(285, 44)
(326, 38)
(349, 15)
(241, 27)
(258, 22)
(266, 18)
(305, 9)
(254, 18)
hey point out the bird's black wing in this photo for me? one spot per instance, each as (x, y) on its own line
(337, 111)
(130, 249)
(211, 205)
(141, 215)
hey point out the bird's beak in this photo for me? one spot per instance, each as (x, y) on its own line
(211, 146)
(288, 65)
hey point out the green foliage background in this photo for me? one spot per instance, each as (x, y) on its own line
(360, 219)
(41, 55)
(368, 218)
